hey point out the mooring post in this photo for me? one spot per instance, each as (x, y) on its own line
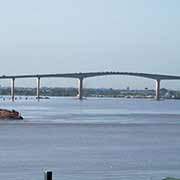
(48, 175)
(157, 89)
(12, 88)
(38, 88)
(80, 88)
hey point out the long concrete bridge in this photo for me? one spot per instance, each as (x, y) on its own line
(81, 76)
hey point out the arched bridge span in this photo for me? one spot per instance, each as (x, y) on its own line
(143, 75)
(80, 76)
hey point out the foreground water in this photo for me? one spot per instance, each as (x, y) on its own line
(91, 139)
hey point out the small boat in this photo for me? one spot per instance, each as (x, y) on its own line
(7, 114)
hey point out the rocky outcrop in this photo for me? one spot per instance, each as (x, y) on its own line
(7, 114)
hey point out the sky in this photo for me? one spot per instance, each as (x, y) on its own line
(59, 36)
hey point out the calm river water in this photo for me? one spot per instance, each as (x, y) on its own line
(91, 140)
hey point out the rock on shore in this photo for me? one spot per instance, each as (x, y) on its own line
(7, 114)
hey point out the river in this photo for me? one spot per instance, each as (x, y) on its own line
(98, 138)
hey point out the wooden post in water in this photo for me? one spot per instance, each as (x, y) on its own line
(48, 175)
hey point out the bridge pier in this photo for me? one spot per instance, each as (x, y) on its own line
(80, 88)
(12, 88)
(38, 88)
(157, 90)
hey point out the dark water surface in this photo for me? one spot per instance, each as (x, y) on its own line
(91, 140)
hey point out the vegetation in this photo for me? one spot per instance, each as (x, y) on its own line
(170, 178)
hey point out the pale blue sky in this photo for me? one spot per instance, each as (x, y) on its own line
(43, 36)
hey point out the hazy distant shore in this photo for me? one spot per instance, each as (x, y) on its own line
(93, 92)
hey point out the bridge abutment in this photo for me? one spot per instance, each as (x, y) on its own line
(157, 90)
(80, 88)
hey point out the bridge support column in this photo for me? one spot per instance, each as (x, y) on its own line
(80, 88)
(157, 90)
(38, 88)
(12, 88)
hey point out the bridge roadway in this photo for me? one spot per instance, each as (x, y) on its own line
(80, 76)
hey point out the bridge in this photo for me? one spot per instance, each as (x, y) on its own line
(81, 76)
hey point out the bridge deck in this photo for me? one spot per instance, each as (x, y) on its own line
(94, 74)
